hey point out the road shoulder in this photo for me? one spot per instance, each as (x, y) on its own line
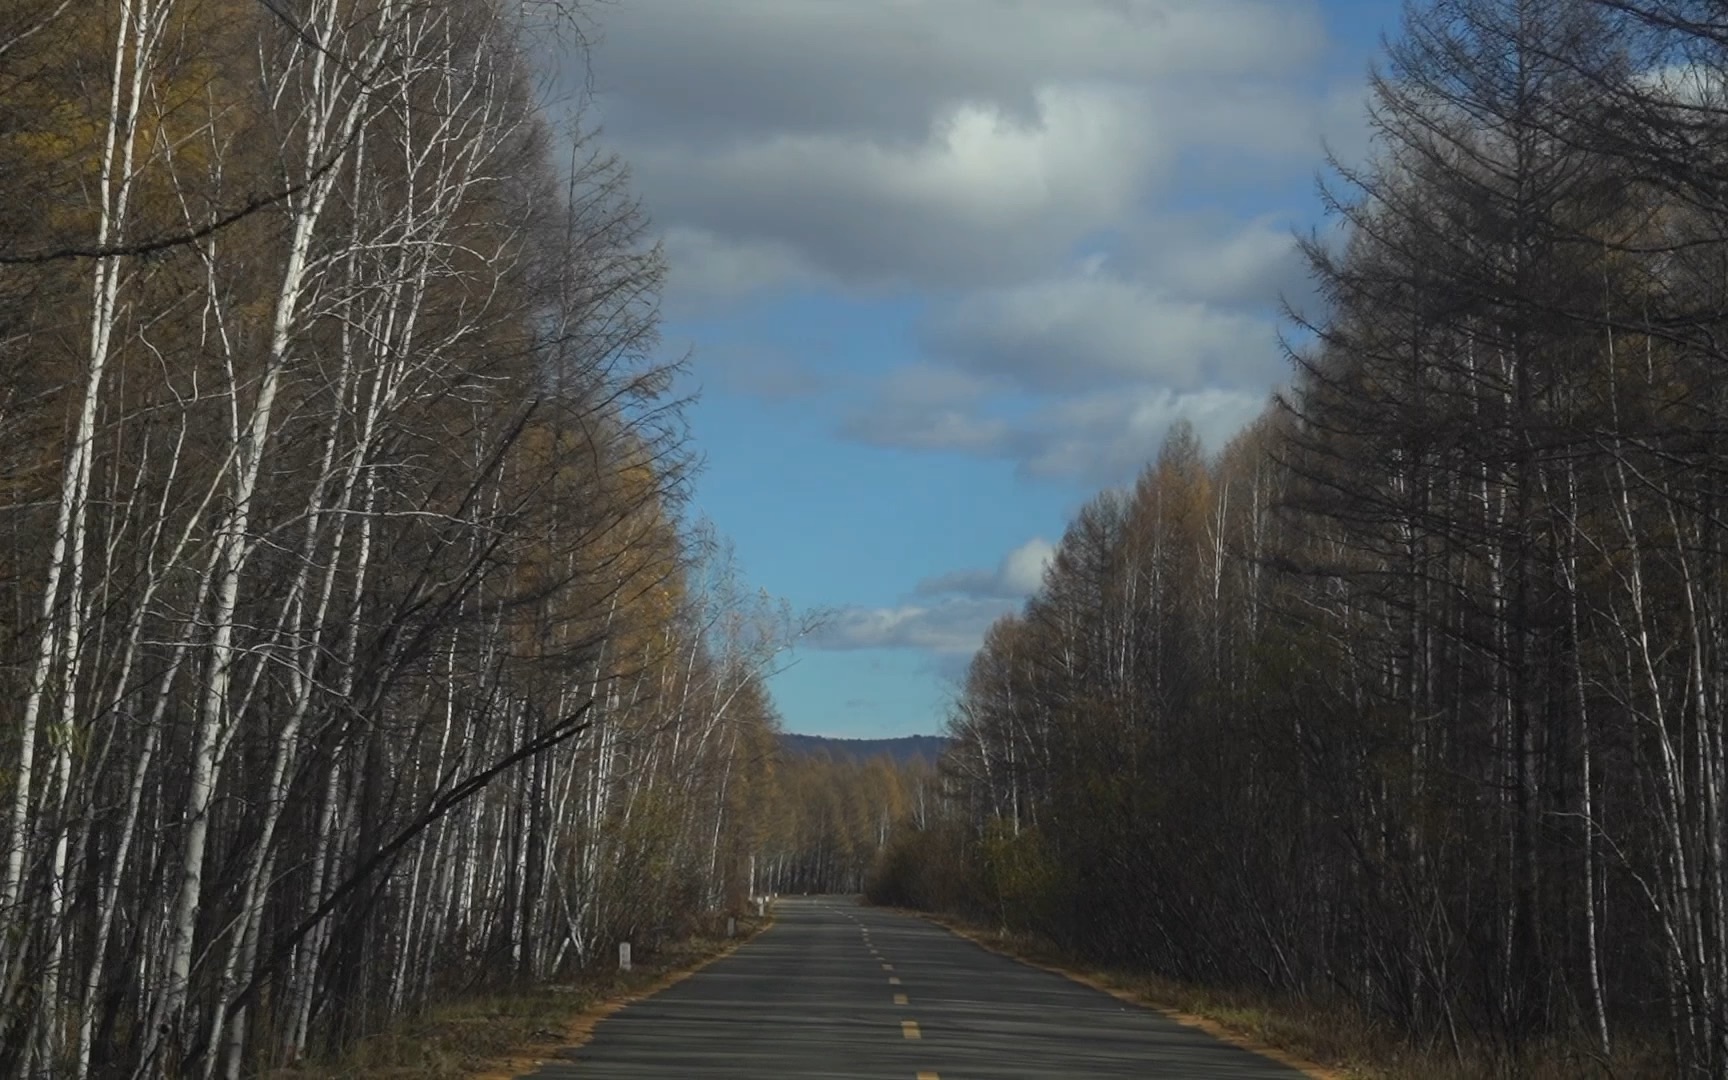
(1220, 1031)
(575, 1033)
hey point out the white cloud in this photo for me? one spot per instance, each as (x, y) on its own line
(1020, 574)
(982, 194)
(1107, 438)
(1092, 328)
(1023, 570)
(1086, 147)
(928, 429)
(1215, 259)
(705, 71)
(929, 408)
(951, 620)
(1093, 438)
(929, 385)
(705, 268)
(1269, 119)
(965, 154)
(951, 142)
(954, 626)
(1684, 82)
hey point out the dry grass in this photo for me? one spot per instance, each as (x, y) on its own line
(1325, 1040)
(506, 1035)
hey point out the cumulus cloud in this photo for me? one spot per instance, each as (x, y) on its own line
(1106, 438)
(949, 627)
(1020, 574)
(1270, 120)
(1091, 327)
(1215, 259)
(1685, 82)
(706, 269)
(1077, 376)
(701, 72)
(928, 384)
(857, 144)
(1049, 182)
(981, 194)
(929, 408)
(928, 429)
(1091, 438)
(951, 613)
(890, 141)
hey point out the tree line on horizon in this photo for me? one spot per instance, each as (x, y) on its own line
(356, 651)
(1413, 697)
(828, 817)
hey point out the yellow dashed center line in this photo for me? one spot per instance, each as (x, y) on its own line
(899, 999)
(928, 1076)
(909, 1028)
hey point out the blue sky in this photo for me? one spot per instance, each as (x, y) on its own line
(945, 268)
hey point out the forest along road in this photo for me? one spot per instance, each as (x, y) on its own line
(842, 991)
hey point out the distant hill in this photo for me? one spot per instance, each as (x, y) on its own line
(902, 750)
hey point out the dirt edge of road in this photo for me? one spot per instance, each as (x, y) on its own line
(1310, 1069)
(580, 1028)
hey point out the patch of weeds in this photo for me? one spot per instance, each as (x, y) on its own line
(506, 1034)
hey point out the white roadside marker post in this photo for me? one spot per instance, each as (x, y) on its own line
(623, 956)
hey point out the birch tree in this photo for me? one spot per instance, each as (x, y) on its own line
(351, 655)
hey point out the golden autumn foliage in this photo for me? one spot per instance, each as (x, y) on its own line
(354, 651)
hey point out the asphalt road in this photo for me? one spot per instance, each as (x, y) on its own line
(834, 990)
